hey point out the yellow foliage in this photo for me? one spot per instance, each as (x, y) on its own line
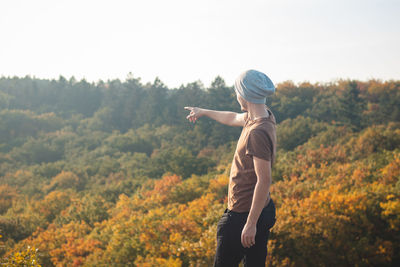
(26, 258)
(391, 211)
(158, 262)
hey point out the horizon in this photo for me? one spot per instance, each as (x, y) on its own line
(97, 82)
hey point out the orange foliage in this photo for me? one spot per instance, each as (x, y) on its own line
(53, 204)
(162, 188)
(7, 195)
(64, 180)
(390, 174)
(330, 211)
(66, 246)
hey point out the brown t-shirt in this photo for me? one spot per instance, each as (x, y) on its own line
(258, 138)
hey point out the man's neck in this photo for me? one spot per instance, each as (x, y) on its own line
(256, 112)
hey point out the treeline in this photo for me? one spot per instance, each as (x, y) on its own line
(123, 105)
(113, 173)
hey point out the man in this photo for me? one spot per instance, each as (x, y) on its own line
(244, 228)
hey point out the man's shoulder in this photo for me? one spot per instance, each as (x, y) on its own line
(264, 130)
(264, 126)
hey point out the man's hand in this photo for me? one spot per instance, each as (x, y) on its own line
(249, 235)
(195, 113)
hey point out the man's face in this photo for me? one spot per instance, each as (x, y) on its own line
(242, 102)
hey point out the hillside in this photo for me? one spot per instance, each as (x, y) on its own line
(112, 173)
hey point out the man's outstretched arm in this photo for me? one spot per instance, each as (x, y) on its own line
(225, 117)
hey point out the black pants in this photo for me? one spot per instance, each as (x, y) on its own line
(230, 250)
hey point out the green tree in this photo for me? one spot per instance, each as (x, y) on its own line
(351, 106)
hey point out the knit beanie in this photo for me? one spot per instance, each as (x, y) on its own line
(254, 86)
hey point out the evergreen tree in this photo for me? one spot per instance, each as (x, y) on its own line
(350, 106)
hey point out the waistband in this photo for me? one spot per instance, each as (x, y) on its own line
(270, 203)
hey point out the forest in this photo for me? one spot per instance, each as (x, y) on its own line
(113, 174)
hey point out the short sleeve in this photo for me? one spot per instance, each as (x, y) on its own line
(259, 144)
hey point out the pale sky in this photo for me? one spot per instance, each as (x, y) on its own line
(182, 41)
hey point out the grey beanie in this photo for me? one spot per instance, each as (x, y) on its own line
(254, 86)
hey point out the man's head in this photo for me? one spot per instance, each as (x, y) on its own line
(253, 86)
